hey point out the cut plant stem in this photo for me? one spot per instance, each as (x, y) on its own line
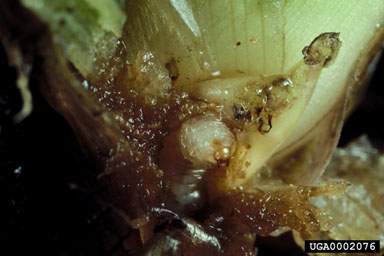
(255, 148)
(270, 106)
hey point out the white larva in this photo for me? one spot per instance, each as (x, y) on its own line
(205, 141)
(202, 142)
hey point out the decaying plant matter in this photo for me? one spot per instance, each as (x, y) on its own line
(208, 121)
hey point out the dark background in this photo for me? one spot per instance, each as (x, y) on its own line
(40, 157)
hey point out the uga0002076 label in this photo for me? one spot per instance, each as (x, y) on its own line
(342, 246)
